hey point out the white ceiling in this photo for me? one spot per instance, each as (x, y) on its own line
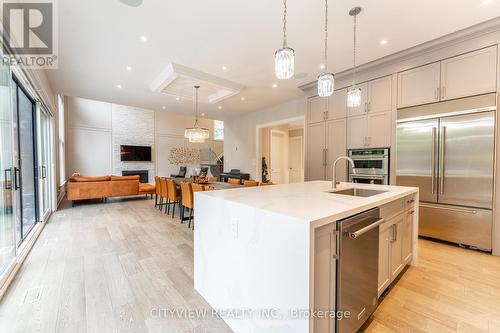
(98, 39)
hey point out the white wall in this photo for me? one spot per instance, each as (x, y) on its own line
(240, 132)
(95, 131)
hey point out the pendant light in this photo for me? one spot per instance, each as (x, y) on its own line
(326, 81)
(284, 57)
(354, 93)
(196, 134)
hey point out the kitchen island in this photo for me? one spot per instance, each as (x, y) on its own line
(266, 258)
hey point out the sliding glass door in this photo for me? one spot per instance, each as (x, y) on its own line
(45, 168)
(7, 233)
(25, 170)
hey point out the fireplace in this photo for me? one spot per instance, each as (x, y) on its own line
(143, 174)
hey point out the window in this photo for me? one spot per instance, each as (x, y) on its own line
(218, 130)
(62, 155)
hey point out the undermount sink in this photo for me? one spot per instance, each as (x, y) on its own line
(358, 192)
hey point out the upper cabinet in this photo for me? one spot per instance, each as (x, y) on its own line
(337, 105)
(316, 109)
(380, 95)
(469, 74)
(419, 85)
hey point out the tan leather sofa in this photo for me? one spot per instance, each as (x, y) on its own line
(81, 187)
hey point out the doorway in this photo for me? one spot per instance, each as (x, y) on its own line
(280, 148)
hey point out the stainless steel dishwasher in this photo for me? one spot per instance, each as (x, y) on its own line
(357, 269)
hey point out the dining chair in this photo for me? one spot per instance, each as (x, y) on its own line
(187, 200)
(213, 179)
(234, 181)
(157, 190)
(250, 183)
(163, 193)
(264, 184)
(172, 195)
(197, 187)
(208, 188)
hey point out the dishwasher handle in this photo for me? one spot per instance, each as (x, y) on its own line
(356, 234)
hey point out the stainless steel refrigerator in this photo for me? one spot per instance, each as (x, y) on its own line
(451, 160)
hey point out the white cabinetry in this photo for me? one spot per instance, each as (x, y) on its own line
(316, 151)
(369, 131)
(337, 105)
(469, 74)
(316, 109)
(395, 242)
(335, 147)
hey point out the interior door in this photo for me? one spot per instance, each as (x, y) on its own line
(277, 157)
(7, 226)
(296, 159)
(466, 160)
(416, 151)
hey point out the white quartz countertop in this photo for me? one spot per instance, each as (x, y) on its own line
(310, 201)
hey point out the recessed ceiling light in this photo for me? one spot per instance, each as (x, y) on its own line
(220, 107)
(132, 3)
(203, 114)
(129, 68)
(224, 68)
(383, 42)
(177, 98)
(275, 85)
(164, 107)
(242, 99)
(119, 86)
(144, 39)
(322, 66)
(486, 2)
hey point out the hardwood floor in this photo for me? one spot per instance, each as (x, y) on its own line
(114, 267)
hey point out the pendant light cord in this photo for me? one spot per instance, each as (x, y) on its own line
(354, 53)
(326, 36)
(285, 12)
(196, 108)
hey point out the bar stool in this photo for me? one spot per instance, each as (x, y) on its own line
(172, 195)
(187, 201)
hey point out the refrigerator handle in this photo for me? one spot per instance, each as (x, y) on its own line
(441, 160)
(433, 161)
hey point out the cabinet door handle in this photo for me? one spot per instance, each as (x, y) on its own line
(436, 94)
(443, 92)
(369, 106)
(366, 107)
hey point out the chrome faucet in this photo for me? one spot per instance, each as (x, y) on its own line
(334, 176)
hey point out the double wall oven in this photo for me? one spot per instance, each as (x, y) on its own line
(371, 166)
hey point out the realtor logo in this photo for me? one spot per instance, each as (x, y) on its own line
(29, 31)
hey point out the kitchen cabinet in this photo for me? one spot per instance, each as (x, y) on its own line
(369, 131)
(337, 105)
(380, 95)
(384, 254)
(362, 108)
(406, 236)
(419, 85)
(395, 240)
(316, 151)
(357, 127)
(396, 246)
(316, 109)
(335, 147)
(325, 251)
(469, 74)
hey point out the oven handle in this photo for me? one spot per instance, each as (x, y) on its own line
(356, 234)
(367, 176)
(383, 158)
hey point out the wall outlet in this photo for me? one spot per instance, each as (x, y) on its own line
(234, 227)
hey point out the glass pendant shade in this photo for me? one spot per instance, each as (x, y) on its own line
(284, 62)
(326, 84)
(353, 97)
